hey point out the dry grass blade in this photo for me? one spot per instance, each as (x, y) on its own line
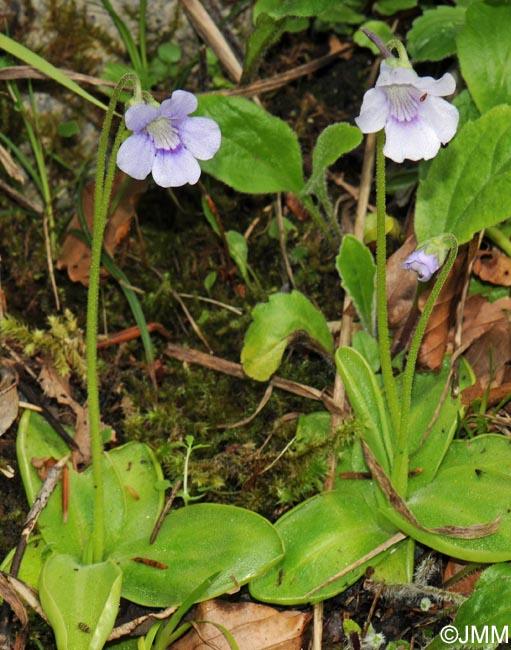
(397, 502)
(212, 36)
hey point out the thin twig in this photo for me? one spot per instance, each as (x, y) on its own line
(317, 634)
(389, 543)
(43, 495)
(236, 370)
(217, 303)
(41, 500)
(21, 199)
(130, 626)
(191, 320)
(265, 399)
(257, 88)
(212, 36)
(165, 511)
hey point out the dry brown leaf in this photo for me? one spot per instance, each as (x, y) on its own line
(493, 396)
(436, 337)
(56, 386)
(494, 267)
(401, 285)
(475, 531)
(486, 329)
(11, 167)
(8, 397)
(465, 585)
(254, 627)
(75, 255)
(480, 316)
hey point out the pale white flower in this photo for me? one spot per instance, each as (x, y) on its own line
(167, 142)
(410, 109)
(422, 263)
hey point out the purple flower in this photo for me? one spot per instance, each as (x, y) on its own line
(422, 263)
(409, 108)
(167, 142)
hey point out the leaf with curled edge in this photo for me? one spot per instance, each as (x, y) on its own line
(285, 318)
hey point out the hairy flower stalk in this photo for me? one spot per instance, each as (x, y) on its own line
(167, 142)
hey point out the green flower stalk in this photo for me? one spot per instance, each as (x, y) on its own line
(437, 249)
(103, 190)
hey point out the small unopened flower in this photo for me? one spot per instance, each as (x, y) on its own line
(410, 109)
(167, 142)
(422, 263)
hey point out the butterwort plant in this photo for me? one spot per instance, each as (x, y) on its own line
(115, 539)
(412, 122)
(425, 485)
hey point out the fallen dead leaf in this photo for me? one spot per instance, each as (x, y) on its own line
(466, 582)
(75, 255)
(401, 285)
(253, 626)
(11, 167)
(437, 334)
(486, 329)
(56, 386)
(493, 396)
(493, 267)
(8, 397)
(59, 388)
(480, 316)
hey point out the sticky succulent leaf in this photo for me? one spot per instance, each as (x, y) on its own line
(434, 418)
(470, 488)
(139, 474)
(467, 186)
(259, 152)
(193, 543)
(80, 601)
(275, 324)
(484, 54)
(132, 503)
(322, 536)
(357, 269)
(367, 403)
(367, 346)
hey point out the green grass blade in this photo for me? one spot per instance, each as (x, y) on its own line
(165, 633)
(31, 58)
(127, 38)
